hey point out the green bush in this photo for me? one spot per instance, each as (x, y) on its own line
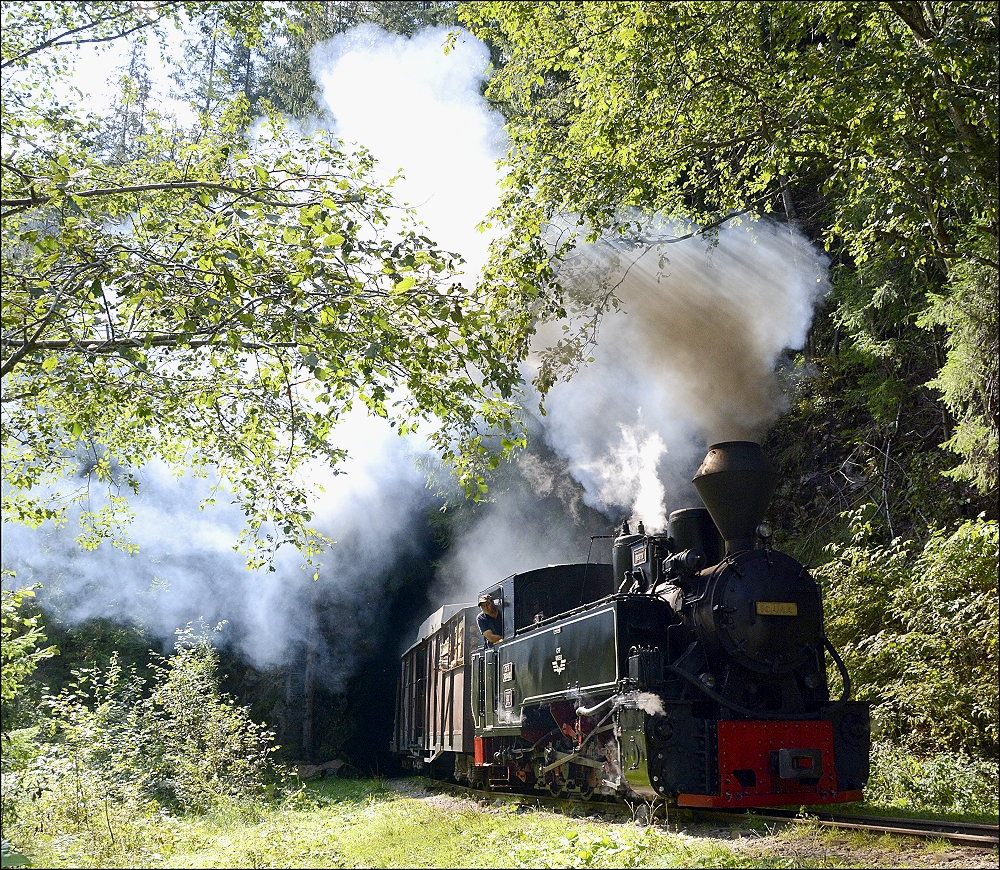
(184, 744)
(116, 754)
(942, 783)
(204, 745)
(917, 627)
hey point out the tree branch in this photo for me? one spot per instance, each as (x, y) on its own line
(168, 339)
(28, 343)
(21, 203)
(56, 40)
(35, 199)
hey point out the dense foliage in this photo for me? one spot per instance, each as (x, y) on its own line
(872, 126)
(917, 627)
(113, 751)
(213, 301)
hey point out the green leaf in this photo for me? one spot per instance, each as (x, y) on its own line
(230, 281)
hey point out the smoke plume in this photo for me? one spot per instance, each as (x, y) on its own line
(689, 360)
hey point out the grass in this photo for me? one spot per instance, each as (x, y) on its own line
(337, 823)
(363, 824)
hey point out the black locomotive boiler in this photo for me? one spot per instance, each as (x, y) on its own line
(692, 669)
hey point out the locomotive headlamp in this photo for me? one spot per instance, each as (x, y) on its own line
(764, 531)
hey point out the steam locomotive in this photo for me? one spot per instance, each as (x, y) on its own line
(692, 669)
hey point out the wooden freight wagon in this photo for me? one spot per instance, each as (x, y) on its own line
(433, 713)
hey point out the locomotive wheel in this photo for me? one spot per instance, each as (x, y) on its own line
(586, 791)
(557, 787)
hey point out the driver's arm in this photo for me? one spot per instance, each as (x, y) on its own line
(491, 637)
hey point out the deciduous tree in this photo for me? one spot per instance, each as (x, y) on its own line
(215, 306)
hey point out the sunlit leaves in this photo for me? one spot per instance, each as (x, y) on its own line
(699, 110)
(21, 648)
(199, 301)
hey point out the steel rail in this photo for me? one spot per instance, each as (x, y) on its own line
(960, 833)
(979, 836)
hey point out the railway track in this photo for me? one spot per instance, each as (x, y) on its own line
(960, 833)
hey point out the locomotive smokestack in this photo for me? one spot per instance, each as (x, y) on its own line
(736, 482)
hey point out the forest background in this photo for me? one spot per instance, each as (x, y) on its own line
(870, 128)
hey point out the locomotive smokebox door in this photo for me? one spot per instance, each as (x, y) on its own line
(764, 611)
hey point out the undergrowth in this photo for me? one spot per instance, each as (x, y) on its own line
(951, 783)
(917, 627)
(115, 759)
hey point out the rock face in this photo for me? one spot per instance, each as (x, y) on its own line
(328, 768)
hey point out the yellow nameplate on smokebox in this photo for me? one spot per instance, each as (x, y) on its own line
(777, 608)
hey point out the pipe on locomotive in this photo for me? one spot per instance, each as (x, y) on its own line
(590, 711)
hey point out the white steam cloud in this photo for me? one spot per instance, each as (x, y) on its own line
(536, 522)
(629, 474)
(690, 360)
(421, 111)
(186, 569)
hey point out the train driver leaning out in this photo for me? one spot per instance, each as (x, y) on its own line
(489, 620)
